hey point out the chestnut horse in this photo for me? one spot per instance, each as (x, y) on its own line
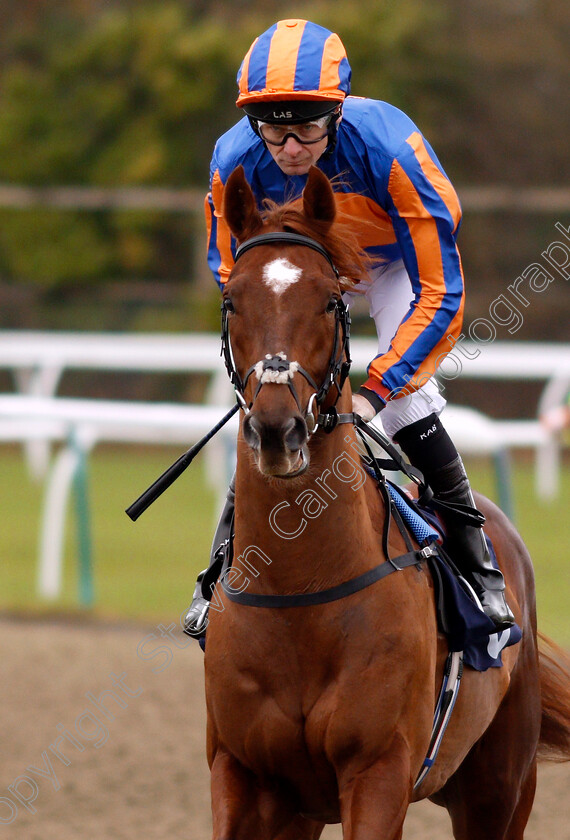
(322, 712)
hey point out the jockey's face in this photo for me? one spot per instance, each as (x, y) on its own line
(295, 158)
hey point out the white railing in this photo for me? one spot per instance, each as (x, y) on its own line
(38, 360)
(38, 418)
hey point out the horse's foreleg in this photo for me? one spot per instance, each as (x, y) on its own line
(242, 810)
(301, 829)
(234, 811)
(374, 801)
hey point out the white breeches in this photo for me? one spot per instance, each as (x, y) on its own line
(389, 294)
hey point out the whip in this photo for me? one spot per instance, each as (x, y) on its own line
(170, 475)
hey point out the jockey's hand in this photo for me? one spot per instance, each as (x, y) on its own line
(360, 405)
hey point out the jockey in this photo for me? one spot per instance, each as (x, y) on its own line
(294, 86)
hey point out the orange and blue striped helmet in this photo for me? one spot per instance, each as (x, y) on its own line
(294, 61)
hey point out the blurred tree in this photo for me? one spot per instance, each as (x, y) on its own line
(124, 94)
(124, 97)
(511, 120)
(119, 92)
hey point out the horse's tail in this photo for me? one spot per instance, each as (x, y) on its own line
(554, 665)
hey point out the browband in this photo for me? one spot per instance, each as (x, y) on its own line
(286, 237)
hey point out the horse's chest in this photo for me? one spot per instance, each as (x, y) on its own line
(305, 719)
(304, 699)
(275, 738)
(269, 722)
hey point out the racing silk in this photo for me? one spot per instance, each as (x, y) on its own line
(390, 179)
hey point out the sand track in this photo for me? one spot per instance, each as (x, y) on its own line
(126, 703)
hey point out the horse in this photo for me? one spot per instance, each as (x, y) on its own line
(320, 709)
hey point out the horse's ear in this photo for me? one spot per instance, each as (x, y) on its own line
(239, 208)
(318, 197)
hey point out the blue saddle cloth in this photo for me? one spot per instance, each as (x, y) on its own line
(459, 616)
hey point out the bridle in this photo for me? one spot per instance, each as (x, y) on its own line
(277, 368)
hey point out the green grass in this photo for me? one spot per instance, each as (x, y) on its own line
(146, 570)
(545, 528)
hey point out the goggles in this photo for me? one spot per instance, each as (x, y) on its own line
(305, 133)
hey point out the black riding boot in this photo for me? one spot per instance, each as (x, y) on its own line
(196, 619)
(468, 546)
(428, 446)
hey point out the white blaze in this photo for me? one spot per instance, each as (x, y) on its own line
(279, 274)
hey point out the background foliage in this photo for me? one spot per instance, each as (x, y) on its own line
(121, 93)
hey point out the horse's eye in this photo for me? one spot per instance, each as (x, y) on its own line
(332, 304)
(228, 305)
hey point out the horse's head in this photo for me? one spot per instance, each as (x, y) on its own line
(285, 330)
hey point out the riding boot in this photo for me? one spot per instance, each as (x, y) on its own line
(468, 545)
(196, 619)
(428, 446)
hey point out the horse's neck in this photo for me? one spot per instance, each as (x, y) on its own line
(321, 528)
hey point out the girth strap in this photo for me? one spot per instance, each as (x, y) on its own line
(335, 593)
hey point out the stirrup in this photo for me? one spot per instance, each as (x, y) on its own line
(196, 619)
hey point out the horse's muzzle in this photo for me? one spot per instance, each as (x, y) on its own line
(279, 444)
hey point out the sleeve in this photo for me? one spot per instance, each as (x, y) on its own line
(425, 212)
(220, 244)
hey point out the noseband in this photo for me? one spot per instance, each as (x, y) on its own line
(277, 368)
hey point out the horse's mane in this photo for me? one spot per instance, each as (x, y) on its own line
(338, 239)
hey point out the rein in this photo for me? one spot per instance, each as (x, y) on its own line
(277, 368)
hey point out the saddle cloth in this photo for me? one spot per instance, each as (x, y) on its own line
(459, 616)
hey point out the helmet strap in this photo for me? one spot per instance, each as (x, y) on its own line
(253, 123)
(333, 136)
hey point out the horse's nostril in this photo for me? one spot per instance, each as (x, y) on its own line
(296, 434)
(251, 431)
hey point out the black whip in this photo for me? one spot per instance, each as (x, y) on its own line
(170, 475)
